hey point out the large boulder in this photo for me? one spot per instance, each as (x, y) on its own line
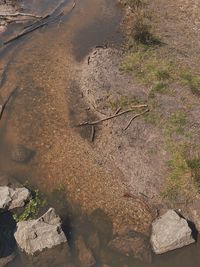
(13, 198)
(170, 232)
(36, 235)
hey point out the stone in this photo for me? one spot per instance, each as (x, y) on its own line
(35, 235)
(13, 198)
(21, 154)
(84, 254)
(132, 244)
(170, 232)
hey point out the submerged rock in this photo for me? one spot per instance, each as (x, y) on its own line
(134, 244)
(170, 232)
(13, 198)
(21, 154)
(84, 254)
(5, 260)
(36, 235)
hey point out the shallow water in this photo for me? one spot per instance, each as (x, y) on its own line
(36, 116)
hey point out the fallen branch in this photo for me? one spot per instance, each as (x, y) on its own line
(28, 31)
(134, 117)
(111, 117)
(3, 106)
(47, 15)
(20, 14)
(35, 26)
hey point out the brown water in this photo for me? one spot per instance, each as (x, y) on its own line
(46, 103)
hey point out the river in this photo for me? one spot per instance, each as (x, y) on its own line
(39, 69)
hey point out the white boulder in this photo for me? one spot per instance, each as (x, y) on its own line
(13, 198)
(36, 235)
(170, 232)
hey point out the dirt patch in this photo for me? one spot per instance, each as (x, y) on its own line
(138, 151)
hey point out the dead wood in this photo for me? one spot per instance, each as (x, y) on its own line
(36, 26)
(20, 14)
(111, 117)
(5, 103)
(134, 117)
(118, 110)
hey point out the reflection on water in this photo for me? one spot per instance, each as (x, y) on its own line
(39, 71)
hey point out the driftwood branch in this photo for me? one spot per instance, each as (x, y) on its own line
(134, 117)
(27, 31)
(20, 14)
(38, 24)
(111, 117)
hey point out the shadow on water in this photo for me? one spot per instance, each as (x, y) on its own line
(7, 228)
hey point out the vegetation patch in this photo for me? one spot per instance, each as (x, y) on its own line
(194, 165)
(161, 74)
(149, 70)
(137, 23)
(192, 81)
(122, 101)
(180, 186)
(32, 208)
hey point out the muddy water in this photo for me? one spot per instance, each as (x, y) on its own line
(45, 106)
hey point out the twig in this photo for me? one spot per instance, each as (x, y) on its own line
(118, 110)
(134, 117)
(88, 60)
(92, 134)
(111, 117)
(35, 26)
(20, 14)
(3, 106)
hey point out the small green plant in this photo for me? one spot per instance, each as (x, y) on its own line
(60, 187)
(31, 209)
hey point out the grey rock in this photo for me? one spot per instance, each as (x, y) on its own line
(170, 232)
(21, 154)
(84, 254)
(13, 198)
(35, 235)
